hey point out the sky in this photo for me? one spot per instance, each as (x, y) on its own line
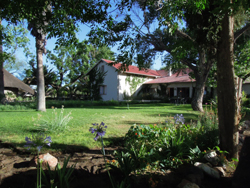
(82, 34)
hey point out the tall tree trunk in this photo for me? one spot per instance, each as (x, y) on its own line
(1, 62)
(40, 75)
(226, 88)
(201, 74)
(199, 93)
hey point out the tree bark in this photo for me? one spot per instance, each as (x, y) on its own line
(226, 88)
(201, 74)
(1, 62)
(198, 95)
(41, 106)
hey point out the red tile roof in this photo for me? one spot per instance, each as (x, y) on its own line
(171, 79)
(135, 70)
(161, 74)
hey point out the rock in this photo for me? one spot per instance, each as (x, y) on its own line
(211, 156)
(221, 170)
(209, 164)
(246, 133)
(194, 178)
(191, 185)
(241, 175)
(187, 169)
(187, 184)
(208, 170)
(46, 159)
(183, 183)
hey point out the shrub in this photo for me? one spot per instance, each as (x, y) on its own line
(60, 177)
(57, 123)
(169, 146)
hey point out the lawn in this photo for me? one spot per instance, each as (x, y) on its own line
(15, 125)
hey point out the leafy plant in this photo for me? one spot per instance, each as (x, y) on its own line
(172, 145)
(123, 163)
(99, 131)
(60, 177)
(57, 123)
(38, 141)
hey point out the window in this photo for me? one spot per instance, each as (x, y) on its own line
(103, 90)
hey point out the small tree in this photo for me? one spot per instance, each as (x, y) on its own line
(96, 79)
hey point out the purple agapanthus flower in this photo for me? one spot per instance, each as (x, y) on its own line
(98, 130)
(37, 141)
(48, 140)
(179, 119)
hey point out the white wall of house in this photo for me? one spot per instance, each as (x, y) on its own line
(181, 85)
(110, 81)
(124, 85)
(246, 88)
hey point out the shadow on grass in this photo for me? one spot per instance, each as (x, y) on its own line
(111, 144)
(187, 115)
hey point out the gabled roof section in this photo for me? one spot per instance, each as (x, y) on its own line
(12, 81)
(134, 69)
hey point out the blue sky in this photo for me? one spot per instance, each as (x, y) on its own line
(82, 34)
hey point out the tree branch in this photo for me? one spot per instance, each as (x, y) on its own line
(160, 46)
(238, 33)
(182, 34)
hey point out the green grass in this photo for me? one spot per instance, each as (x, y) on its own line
(15, 125)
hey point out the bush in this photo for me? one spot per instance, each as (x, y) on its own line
(56, 123)
(168, 146)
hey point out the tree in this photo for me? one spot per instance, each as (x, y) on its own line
(38, 32)
(210, 30)
(190, 46)
(50, 76)
(63, 20)
(73, 62)
(242, 59)
(13, 38)
(96, 78)
(1, 61)
(228, 112)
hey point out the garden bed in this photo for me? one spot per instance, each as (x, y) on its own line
(89, 171)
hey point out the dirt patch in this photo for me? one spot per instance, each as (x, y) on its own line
(89, 171)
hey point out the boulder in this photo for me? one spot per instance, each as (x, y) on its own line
(194, 178)
(46, 159)
(246, 133)
(187, 184)
(221, 170)
(211, 156)
(208, 170)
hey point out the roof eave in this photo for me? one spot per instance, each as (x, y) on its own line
(142, 74)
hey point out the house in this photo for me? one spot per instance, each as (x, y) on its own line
(246, 86)
(177, 84)
(119, 84)
(13, 84)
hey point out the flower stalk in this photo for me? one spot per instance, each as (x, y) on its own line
(99, 131)
(38, 141)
